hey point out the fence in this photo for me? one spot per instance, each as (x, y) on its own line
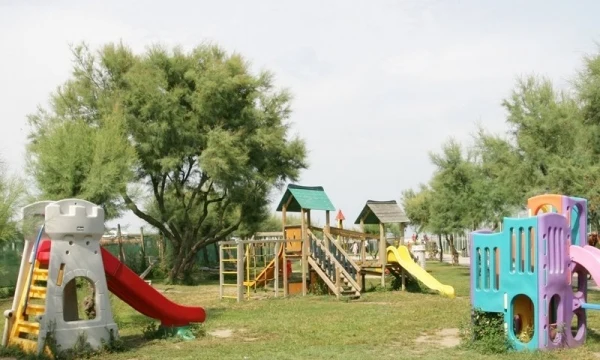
(461, 243)
(134, 257)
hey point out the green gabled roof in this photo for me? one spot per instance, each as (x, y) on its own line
(305, 197)
(386, 212)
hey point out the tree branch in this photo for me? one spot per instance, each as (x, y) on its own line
(197, 190)
(186, 176)
(149, 219)
(207, 202)
(159, 195)
(214, 239)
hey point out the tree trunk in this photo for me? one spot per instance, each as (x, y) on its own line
(183, 263)
(174, 273)
(441, 248)
(450, 240)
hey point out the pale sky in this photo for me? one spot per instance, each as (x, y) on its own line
(376, 84)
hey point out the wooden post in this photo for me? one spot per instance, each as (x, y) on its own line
(340, 225)
(277, 245)
(363, 252)
(120, 242)
(285, 245)
(143, 245)
(240, 271)
(142, 239)
(221, 270)
(327, 229)
(338, 283)
(304, 252)
(382, 254)
(401, 233)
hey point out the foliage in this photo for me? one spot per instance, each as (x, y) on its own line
(485, 333)
(190, 142)
(72, 157)
(551, 146)
(417, 206)
(452, 190)
(274, 223)
(391, 228)
(12, 193)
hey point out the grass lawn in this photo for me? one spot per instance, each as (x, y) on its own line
(381, 325)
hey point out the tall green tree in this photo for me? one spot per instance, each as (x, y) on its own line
(417, 206)
(202, 137)
(12, 194)
(74, 158)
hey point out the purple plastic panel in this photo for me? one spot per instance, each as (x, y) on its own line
(569, 203)
(474, 256)
(554, 275)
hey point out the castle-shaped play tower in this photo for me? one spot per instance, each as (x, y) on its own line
(62, 255)
(535, 272)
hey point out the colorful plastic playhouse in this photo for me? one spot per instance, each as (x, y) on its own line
(535, 272)
(62, 248)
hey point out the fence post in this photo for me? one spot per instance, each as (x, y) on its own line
(277, 245)
(240, 271)
(221, 274)
(120, 241)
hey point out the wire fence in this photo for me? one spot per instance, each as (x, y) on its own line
(135, 255)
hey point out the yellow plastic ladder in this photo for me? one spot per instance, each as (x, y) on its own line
(25, 329)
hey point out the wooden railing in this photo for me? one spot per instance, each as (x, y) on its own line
(343, 258)
(330, 265)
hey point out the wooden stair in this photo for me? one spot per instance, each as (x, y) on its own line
(334, 267)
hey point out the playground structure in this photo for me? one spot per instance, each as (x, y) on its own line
(61, 252)
(534, 273)
(321, 254)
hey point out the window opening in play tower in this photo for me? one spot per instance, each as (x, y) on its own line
(523, 322)
(554, 314)
(532, 239)
(574, 222)
(513, 250)
(497, 268)
(547, 208)
(578, 324)
(75, 309)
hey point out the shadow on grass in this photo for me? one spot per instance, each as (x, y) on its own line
(214, 312)
(133, 341)
(593, 335)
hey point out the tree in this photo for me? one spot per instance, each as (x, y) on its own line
(502, 178)
(71, 158)
(416, 205)
(12, 192)
(210, 140)
(273, 223)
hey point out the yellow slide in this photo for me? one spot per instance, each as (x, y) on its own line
(401, 255)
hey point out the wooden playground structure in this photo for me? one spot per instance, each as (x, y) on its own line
(318, 254)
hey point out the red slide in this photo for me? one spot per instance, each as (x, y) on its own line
(130, 288)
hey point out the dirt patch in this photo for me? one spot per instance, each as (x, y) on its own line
(445, 338)
(222, 333)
